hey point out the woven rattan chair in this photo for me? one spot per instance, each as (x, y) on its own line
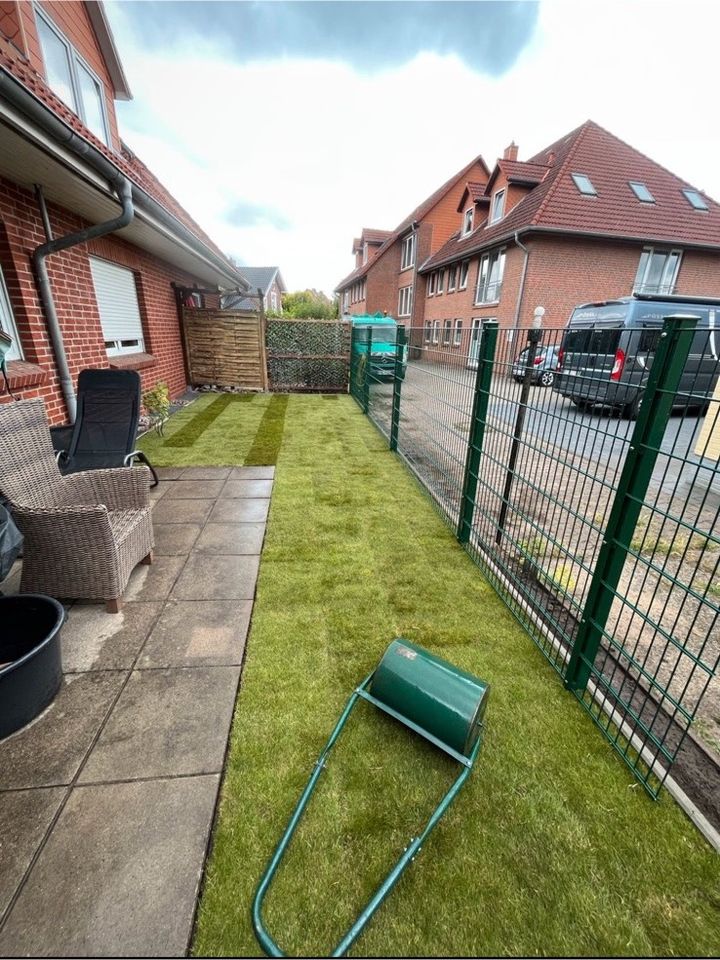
(84, 532)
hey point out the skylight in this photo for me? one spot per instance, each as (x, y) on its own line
(641, 191)
(584, 184)
(695, 200)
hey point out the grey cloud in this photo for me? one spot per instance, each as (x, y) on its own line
(487, 36)
(244, 213)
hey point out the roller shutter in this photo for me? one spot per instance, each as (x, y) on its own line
(117, 301)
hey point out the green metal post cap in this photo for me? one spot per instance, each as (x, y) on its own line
(439, 697)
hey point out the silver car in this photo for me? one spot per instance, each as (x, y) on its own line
(544, 367)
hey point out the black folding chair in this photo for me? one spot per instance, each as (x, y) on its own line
(105, 429)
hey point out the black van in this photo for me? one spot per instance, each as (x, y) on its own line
(608, 348)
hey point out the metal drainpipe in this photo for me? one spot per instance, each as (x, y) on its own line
(516, 324)
(39, 258)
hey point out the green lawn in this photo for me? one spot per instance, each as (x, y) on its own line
(551, 848)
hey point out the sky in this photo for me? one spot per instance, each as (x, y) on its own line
(284, 128)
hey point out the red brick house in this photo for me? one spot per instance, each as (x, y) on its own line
(385, 278)
(95, 254)
(586, 219)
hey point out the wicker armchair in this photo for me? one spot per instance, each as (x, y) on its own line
(84, 532)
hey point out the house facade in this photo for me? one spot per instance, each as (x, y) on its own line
(95, 255)
(267, 280)
(386, 278)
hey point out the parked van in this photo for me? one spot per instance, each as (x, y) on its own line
(382, 333)
(608, 348)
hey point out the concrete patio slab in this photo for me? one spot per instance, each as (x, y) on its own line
(182, 511)
(175, 539)
(25, 815)
(194, 489)
(240, 511)
(252, 473)
(129, 887)
(231, 539)
(246, 488)
(95, 640)
(205, 473)
(154, 582)
(198, 633)
(49, 751)
(169, 722)
(169, 473)
(207, 577)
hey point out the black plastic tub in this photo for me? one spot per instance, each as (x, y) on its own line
(31, 670)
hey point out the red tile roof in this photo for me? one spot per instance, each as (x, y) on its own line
(475, 191)
(556, 204)
(375, 236)
(521, 171)
(418, 213)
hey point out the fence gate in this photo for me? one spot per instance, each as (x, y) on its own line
(225, 347)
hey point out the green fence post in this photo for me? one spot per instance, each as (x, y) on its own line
(486, 357)
(657, 402)
(366, 377)
(398, 375)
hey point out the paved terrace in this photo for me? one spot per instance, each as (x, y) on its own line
(107, 799)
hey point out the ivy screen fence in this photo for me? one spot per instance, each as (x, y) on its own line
(597, 525)
(307, 355)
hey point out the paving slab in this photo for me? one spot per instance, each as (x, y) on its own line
(206, 577)
(95, 640)
(25, 815)
(252, 473)
(167, 722)
(154, 493)
(175, 539)
(194, 489)
(246, 488)
(206, 473)
(240, 511)
(231, 539)
(198, 633)
(119, 874)
(49, 751)
(181, 511)
(169, 473)
(153, 582)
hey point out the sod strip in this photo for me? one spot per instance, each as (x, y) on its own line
(264, 451)
(187, 435)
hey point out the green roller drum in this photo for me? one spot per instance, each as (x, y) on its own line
(432, 698)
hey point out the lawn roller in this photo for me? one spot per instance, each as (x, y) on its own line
(432, 698)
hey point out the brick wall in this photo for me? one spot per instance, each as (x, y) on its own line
(20, 232)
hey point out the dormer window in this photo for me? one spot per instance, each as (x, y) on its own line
(468, 222)
(641, 191)
(584, 184)
(407, 258)
(498, 206)
(365, 252)
(71, 78)
(695, 200)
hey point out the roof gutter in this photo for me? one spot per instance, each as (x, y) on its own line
(521, 291)
(27, 103)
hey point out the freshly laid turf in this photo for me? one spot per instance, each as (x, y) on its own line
(266, 445)
(551, 848)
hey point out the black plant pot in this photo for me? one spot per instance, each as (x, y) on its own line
(30, 626)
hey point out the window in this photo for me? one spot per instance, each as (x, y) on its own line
(452, 278)
(273, 301)
(641, 191)
(117, 301)
(498, 206)
(346, 300)
(447, 332)
(657, 271)
(7, 322)
(457, 339)
(490, 277)
(432, 283)
(584, 184)
(468, 222)
(441, 281)
(405, 302)
(428, 332)
(407, 258)
(695, 199)
(365, 250)
(71, 78)
(436, 331)
(464, 267)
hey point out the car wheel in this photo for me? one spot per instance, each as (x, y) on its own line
(582, 404)
(547, 378)
(631, 410)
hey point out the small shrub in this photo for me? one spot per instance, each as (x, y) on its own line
(157, 405)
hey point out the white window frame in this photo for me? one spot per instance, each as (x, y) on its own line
(405, 301)
(497, 210)
(457, 333)
(365, 253)
(7, 322)
(447, 333)
(407, 256)
(452, 278)
(74, 58)
(464, 271)
(441, 281)
(488, 290)
(436, 332)
(468, 221)
(346, 299)
(432, 281)
(667, 280)
(273, 301)
(428, 331)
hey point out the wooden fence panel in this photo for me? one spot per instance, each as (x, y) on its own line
(225, 347)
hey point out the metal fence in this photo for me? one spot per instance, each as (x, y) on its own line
(579, 476)
(307, 355)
